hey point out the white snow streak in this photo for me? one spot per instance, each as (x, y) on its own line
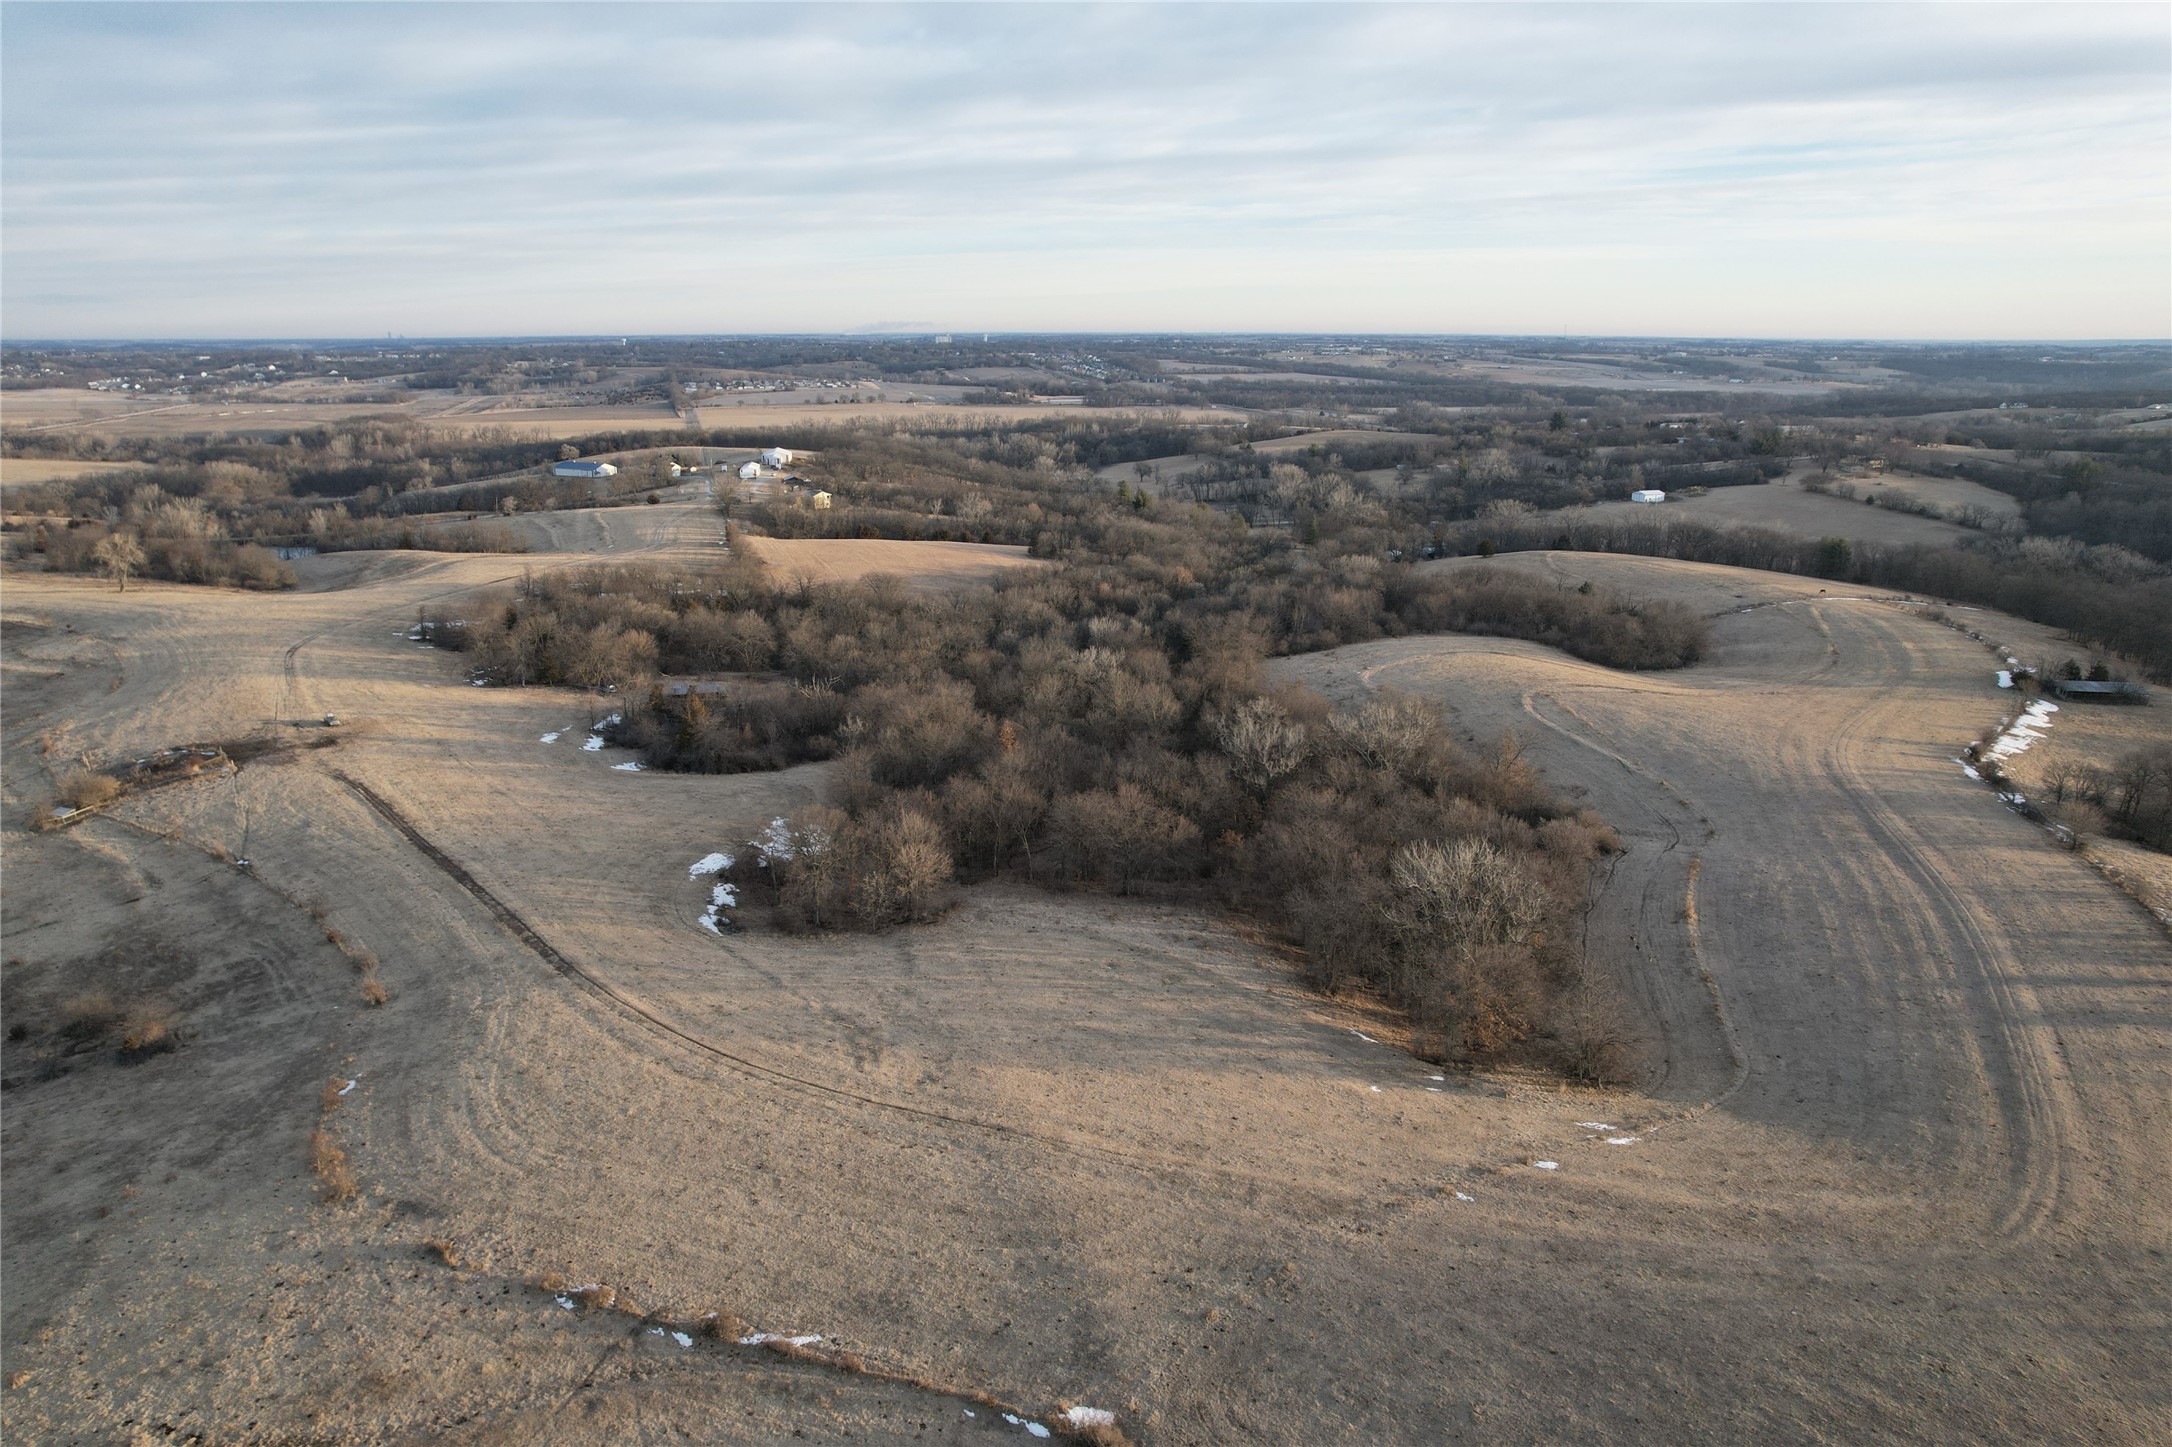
(708, 864)
(721, 898)
(2025, 730)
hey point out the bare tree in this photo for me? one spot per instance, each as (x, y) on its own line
(119, 556)
(1263, 743)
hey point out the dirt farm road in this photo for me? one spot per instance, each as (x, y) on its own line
(1899, 1171)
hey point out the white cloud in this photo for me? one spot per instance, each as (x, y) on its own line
(1828, 169)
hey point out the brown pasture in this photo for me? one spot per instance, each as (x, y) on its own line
(1894, 1168)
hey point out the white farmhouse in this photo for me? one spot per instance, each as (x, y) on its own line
(777, 457)
(750, 470)
(1647, 494)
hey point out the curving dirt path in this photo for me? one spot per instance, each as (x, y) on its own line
(1898, 1172)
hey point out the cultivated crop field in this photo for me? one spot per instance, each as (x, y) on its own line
(1901, 1101)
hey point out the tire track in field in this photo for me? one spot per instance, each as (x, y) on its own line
(766, 1074)
(2036, 1110)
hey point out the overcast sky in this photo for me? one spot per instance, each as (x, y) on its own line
(302, 170)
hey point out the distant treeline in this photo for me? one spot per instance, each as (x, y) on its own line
(2101, 596)
(72, 547)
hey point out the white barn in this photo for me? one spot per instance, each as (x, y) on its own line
(1647, 494)
(777, 457)
(750, 470)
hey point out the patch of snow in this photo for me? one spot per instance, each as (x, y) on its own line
(1593, 1125)
(1547, 1165)
(347, 1087)
(1375, 1089)
(1969, 769)
(1364, 1037)
(567, 1303)
(593, 744)
(1621, 1140)
(629, 767)
(1436, 1090)
(2025, 730)
(479, 682)
(773, 844)
(708, 864)
(1084, 1417)
(1436, 1077)
(2006, 680)
(549, 738)
(682, 1338)
(1462, 1196)
(721, 898)
(970, 1412)
(656, 1331)
(759, 1338)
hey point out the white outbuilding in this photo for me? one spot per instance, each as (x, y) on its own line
(1647, 494)
(584, 469)
(777, 457)
(750, 470)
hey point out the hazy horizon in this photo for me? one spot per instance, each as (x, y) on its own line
(469, 172)
(974, 334)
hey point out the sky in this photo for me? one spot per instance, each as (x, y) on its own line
(1740, 170)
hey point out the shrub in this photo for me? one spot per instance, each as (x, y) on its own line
(89, 1018)
(336, 1181)
(88, 789)
(148, 1031)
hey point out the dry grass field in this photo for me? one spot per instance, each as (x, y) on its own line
(925, 565)
(1785, 506)
(113, 415)
(1332, 438)
(1950, 495)
(30, 471)
(1895, 1170)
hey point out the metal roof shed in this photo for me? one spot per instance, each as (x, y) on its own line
(2084, 690)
